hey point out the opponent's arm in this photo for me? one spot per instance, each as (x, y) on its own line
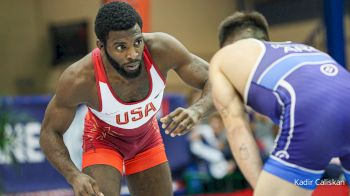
(58, 117)
(239, 135)
(194, 72)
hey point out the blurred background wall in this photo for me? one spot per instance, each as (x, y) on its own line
(26, 50)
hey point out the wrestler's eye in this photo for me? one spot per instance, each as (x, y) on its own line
(120, 47)
(138, 43)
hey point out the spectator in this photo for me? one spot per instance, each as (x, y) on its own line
(208, 142)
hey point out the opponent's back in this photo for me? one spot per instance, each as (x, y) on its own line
(280, 60)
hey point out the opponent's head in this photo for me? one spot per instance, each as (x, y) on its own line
(118, 29)
(243, 25)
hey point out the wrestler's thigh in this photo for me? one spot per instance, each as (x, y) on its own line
(107, 178)
(155, 181)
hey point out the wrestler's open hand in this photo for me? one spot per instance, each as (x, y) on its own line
(84, 185)
(180, 121)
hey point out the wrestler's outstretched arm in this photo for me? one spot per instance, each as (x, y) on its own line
(239, 135)
(58, 117)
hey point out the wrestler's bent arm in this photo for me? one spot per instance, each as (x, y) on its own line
(56, 121)
(58, 117)
(194, 72)
(239, 135)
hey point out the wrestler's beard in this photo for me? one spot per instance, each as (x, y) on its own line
(121, 70)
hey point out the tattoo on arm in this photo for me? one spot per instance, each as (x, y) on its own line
(225, 110)
(243, 152)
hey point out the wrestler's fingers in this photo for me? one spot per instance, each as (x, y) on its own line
(172, 126)
(166, 120)
(181, 128)
(169, 127)
(179, 118)
(190, 125)
(88, 190)
(176, 120)
(96, 189)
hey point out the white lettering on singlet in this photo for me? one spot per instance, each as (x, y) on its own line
(294, 48)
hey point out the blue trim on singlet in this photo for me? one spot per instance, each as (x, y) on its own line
(281, 67)
(297, 176)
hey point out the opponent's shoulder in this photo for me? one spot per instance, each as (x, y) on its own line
(242, 46)
(238, 52)
(74, 83)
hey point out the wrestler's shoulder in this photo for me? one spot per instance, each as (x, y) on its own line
(79, 76)
(157, 37)
(159, 41)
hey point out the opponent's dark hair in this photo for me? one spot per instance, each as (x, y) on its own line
(115, 16)
(243, 20)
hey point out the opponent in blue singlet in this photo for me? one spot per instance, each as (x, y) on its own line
(307, 93)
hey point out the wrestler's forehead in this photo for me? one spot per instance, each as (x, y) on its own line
(125, 35)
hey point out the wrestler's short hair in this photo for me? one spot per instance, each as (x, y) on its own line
(239, 21)
(115, 16)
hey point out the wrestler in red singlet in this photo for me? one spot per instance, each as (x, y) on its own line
(123, 88)
(124, 131)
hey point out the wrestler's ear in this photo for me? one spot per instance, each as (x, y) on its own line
(99, 44)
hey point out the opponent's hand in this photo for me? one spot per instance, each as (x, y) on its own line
(180, 121)
(84, 185)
